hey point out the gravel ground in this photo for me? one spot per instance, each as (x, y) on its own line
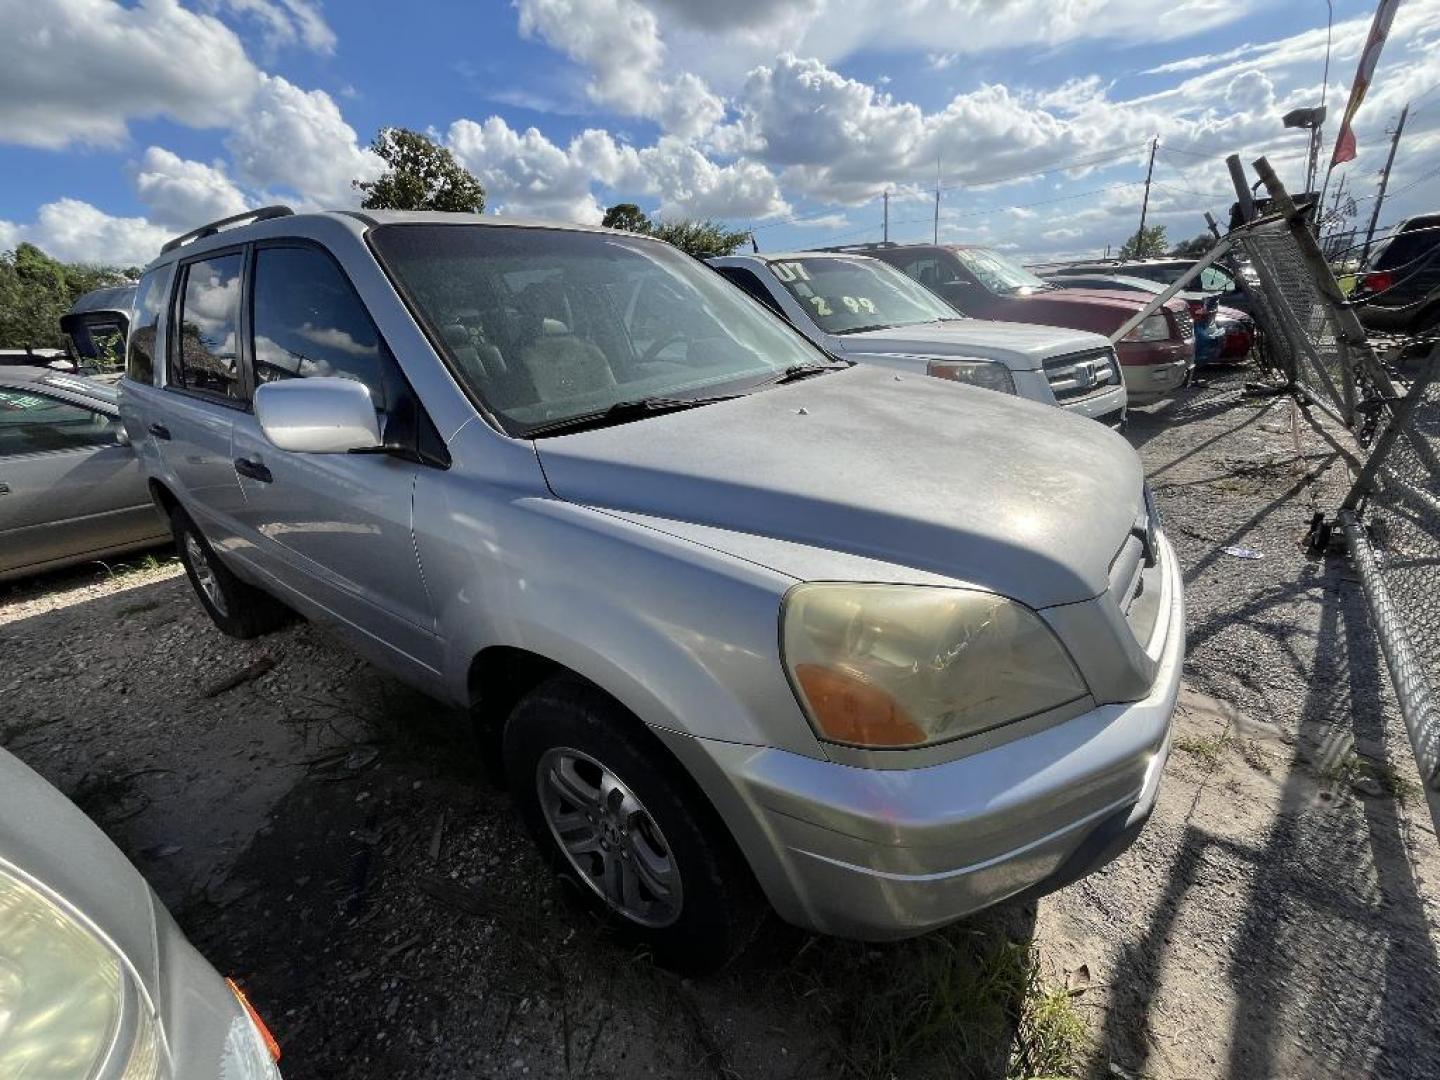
(342, 845)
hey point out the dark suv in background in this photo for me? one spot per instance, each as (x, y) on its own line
(1155, 358)
(1399, 289)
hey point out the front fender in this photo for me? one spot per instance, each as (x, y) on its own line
(683, 635)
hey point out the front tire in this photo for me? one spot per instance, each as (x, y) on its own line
(613, 814)
(237, 609)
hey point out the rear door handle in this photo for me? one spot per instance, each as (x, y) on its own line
(4, 489)
(160, 431)
(255, 470)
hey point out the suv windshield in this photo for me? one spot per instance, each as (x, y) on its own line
(547, 326)
(997, 273)
(845, 296)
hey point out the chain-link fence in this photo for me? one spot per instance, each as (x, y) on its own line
(1388, 427)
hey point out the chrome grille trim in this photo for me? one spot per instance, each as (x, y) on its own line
(1184, 324)
(1081, 375)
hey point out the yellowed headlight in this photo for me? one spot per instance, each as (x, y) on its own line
(904, 666)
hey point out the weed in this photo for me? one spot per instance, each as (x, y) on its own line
(1052, 1035)
(1365, 772)
(1209, 749)
(966, 998)
(1254, 756)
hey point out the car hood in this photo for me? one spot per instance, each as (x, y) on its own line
(995, 491)
(1020, 346)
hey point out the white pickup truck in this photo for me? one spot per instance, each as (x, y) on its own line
(863, 309)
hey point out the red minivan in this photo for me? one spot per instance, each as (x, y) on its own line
(1156, 357)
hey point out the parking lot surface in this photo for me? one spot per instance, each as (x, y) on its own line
(343, 847)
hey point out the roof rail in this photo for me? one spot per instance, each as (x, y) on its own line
(859, 247)
(264, 213)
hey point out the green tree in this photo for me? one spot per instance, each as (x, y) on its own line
(1195, 246)
(422, 176)
(626, 216)
(702, 239)
(1145, 244)
(35, 290)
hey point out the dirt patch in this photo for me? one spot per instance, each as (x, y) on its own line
(342, 845)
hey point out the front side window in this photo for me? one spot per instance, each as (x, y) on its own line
(150, 296)
(997, 273)
(545, 326)
(204, 356)
(845, 296)
(33, 423)
(308, 321)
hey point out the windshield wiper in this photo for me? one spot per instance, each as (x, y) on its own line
(623, 411)
(796, 372)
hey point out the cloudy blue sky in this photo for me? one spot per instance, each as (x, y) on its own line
(124, 123)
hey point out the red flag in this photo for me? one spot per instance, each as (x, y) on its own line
(1379, 31)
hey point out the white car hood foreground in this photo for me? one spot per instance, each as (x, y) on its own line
(1020, 346)
(1014, 496)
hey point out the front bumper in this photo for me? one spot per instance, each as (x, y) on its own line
(881, 854)
(1155, 370)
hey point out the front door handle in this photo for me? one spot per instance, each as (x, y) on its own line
(160, 431)
(4, 489)
(255, 470)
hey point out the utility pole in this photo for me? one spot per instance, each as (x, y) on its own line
(936, 239)
(1145, 203)
(886, 197)
(1384, 181)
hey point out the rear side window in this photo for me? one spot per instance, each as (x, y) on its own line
(309, 321)
(150, 296)
(204, 356)
(33, 423)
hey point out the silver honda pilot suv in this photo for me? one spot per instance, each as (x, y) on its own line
(749, 621)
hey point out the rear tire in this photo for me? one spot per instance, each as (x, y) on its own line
(613, 814)
(237, 609)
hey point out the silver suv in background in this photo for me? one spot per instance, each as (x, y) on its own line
(865, 310)
(890, 649)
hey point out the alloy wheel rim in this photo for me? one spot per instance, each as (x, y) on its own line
(608, 837)
(204, 573)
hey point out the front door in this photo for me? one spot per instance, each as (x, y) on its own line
(68, 486)
(334, 527)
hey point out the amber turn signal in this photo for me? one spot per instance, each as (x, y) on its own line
(269, 1040)
(850, 710)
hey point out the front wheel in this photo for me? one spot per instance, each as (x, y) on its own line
(238, 609)
(614, 814)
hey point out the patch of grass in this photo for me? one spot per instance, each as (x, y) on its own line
(138, 608)
(1208, 749)
(1052, 1034)
(1355, 770)
(964, 1001)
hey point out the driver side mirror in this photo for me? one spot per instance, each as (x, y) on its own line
(318, 416)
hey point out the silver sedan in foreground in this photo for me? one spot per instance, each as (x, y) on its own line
(96, 980)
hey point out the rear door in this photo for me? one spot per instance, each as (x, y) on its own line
(205, 391)
(68, 486)
(334, 527)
